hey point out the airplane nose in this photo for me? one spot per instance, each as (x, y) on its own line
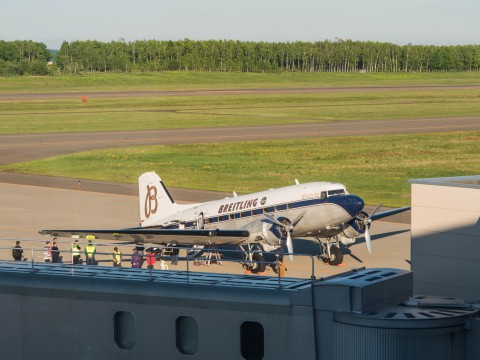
(352, 204)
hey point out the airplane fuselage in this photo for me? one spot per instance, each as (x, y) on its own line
(325, 207)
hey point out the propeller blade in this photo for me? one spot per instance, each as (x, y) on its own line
(288, 229)
(367, 239)
(298, 218)
(289, 245)
(273, 220)
(375, 210)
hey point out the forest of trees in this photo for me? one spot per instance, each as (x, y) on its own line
(24, 58)
(229, 55)
(27, 57)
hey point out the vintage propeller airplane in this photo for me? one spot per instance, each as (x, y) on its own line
(262, 221)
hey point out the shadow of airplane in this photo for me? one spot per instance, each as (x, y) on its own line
(346, 248)
(309, 247)
(361, 240)
(300, 246)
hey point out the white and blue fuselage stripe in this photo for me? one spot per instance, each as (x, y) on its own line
(323, 201)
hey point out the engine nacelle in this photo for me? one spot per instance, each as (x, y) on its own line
(262, 231)
(353, 229)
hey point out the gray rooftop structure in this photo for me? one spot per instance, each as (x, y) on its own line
(67, 311)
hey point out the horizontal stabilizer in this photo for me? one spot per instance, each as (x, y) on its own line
(158, 236)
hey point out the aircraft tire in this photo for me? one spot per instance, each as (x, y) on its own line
(260, 266)
(336, 255)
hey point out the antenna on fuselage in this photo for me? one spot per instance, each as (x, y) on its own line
(297, 182)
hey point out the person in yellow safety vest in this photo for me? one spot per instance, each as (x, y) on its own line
(163, 265)
(76, 253)
(90, 251)
(116, 257)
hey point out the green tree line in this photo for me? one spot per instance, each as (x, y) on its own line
(229, 55)
(24, 58)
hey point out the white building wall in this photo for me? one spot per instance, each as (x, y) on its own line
(446, 236)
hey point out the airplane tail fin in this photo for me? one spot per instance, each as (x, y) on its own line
(155, 200)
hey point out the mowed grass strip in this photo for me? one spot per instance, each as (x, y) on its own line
(187, 80)
(233, 110)
(376, 167)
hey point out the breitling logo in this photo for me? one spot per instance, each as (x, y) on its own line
(238, 206)
(151, 202)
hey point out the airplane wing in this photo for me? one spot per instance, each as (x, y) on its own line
(388, 213)
(159, 236)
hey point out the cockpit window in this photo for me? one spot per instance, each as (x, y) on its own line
(336, 192)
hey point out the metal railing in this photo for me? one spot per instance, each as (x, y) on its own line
(191, 258)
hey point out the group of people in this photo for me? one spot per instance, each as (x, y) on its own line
(137, 260)
(51, 253)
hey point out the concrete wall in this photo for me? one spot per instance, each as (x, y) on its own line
(446, 236)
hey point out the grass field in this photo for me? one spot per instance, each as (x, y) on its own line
(230, 110)
(377, 167)
(218, 80)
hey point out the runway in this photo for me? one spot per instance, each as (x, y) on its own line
(25, 147)
(223, 92)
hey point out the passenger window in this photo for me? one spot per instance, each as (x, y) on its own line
(252, 340)
(186, 334)
(124, 330)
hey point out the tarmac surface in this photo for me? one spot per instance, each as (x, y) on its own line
(27, 209)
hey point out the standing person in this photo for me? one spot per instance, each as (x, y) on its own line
(17, 251)
(140, 248)
(279, 267)
(163, 265)
(76, 253)
(55, 252)
(116, 257)
(175, 253)
(136, 259)
(151, 260)
(47, 252)
(90, 251)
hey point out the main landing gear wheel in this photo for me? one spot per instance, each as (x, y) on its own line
(336, 255)
(258, 267)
